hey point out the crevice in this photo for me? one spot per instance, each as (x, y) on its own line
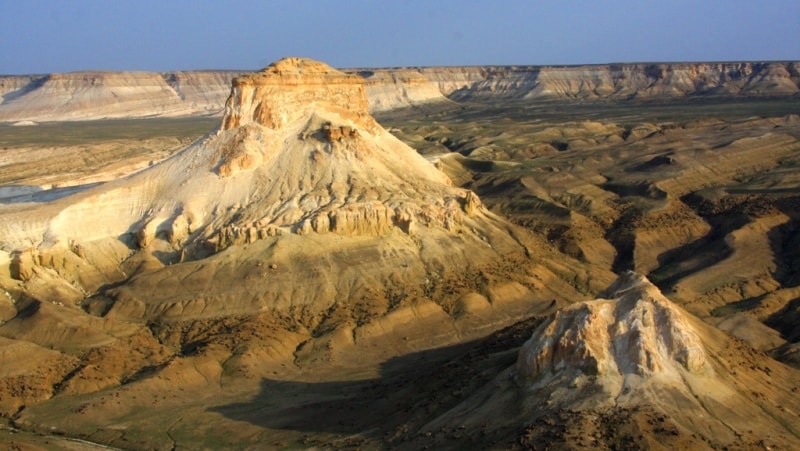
(169, 434)
(622, 235)
(174, 83)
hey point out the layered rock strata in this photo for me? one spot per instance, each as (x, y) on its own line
(643, 80)
(98, 95)
(108, 95)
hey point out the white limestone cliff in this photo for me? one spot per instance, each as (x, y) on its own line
(98, 95)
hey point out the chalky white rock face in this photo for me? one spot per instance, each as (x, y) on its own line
(645, 80)
(630, 347)
(638, 332)
(633, 347)
(301, 134)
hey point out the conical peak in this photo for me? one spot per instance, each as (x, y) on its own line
(637, 331)
(291, 89)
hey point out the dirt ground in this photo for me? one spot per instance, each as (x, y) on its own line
(700, 196)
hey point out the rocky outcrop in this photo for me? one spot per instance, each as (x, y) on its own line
(362, 218)
(337, 134)
(638, 331)
(284, 92)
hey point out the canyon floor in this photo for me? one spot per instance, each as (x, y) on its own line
(700, 195)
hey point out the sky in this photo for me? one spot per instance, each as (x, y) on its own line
(45, 36)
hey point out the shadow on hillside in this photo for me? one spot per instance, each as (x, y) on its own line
(785, 243)
(411, 391)
(373, 408)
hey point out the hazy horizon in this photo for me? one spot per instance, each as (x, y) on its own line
(47, 36)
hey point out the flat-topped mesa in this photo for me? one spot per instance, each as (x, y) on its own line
(285, 90)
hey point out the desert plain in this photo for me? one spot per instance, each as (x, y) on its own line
(581, 257)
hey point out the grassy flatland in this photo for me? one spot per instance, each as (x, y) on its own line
(90, 132)
(68, 153)
(675, 109)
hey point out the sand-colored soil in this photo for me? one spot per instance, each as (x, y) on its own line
(317, 283)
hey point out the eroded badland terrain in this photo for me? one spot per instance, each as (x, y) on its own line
(597, 257)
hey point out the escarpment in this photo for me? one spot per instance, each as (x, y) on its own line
(634, 80)
(98, 95)
(101, 95)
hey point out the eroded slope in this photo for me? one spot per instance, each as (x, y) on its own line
(300, 240)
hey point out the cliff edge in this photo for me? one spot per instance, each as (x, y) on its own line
(100, 95)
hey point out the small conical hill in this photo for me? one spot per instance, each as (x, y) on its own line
(633, 370)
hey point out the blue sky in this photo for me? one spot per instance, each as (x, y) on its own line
(41, 36)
